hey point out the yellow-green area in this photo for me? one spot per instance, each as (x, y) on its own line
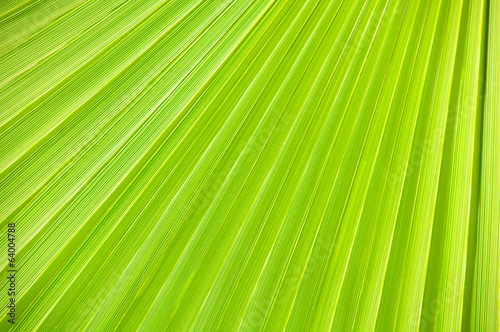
(250, 165)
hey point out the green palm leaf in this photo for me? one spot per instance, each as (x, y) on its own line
(301, 165)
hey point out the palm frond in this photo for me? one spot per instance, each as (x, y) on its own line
(303, 165)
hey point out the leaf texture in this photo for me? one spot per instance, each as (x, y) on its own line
(239, 165)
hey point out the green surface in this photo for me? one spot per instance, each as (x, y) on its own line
(237, 165)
